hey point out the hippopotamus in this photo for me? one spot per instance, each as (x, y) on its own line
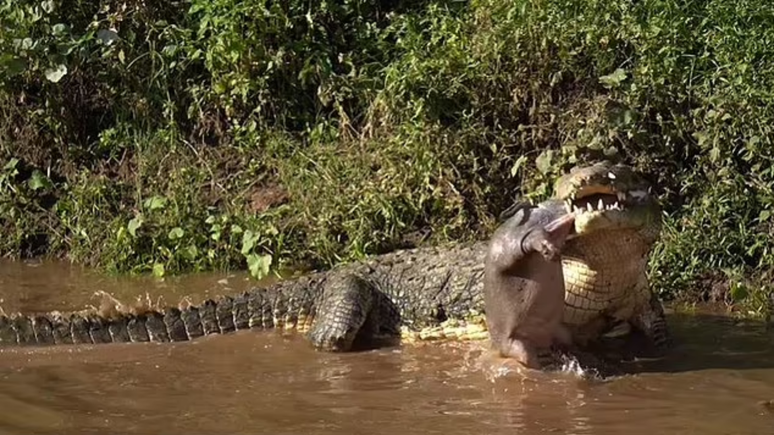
(524, 285)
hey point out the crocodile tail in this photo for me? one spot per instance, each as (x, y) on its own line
(256, 309)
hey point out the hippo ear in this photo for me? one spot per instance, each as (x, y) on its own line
(517, 206)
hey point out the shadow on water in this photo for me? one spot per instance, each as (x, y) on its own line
(704, 341)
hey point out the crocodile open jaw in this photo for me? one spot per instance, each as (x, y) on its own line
(605, 196)
(601, 198)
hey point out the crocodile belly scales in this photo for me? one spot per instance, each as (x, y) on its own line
(605, 276)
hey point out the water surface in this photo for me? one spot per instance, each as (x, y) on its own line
(714, 382)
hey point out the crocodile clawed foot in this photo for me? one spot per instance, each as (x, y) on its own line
(331, 339)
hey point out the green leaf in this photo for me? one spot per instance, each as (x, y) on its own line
(11, 165)
(517, 165)
(121, 234)
(158, 270)
(543, 161)
(613, 79)
(55, 74)
(249, 239)
(738, 292)
(764, 215)
(59, 29)
(108, 37)
(714, 154)
(702, 137)
(215, 231)
(259, 265)
(196, 7)
(191, 252)
(13, 66)
(48, 6)
(39, 181)
(155, 203)
(176, 233)
(135, 224)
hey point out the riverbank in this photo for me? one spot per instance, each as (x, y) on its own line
(202, 135)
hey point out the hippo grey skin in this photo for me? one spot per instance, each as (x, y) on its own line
(523, 283)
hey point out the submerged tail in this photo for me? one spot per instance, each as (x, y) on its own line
(255, 309)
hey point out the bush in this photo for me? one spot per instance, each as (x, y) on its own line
(198, 134)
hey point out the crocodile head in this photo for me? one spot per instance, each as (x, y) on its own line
(607, 196)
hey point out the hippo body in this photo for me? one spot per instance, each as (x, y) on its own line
(523, 283)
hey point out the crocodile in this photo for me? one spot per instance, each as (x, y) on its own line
(617, 222)
(414, 294)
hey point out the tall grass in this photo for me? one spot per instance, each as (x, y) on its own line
(191, 135)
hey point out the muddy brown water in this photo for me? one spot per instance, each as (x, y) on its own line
(716, 380)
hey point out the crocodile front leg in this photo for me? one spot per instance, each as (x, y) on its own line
(641, 309)
(346, 303)
(638, 327)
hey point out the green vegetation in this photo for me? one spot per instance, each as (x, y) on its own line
(201, 134)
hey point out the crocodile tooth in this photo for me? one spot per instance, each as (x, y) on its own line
(577, 209)
(621, 196)
(601, 204)
(611, 175)
(616, 205)
(589, 207)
